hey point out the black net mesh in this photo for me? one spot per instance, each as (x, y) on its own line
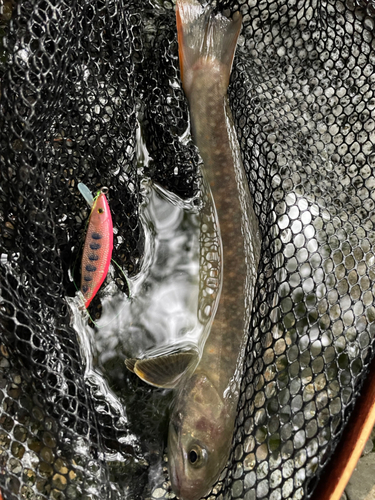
(77, 79)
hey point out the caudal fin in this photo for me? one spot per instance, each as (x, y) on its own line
(204, 38)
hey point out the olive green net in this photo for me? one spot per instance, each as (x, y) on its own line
(79, 80)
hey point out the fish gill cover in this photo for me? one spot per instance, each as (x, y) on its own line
(78, 80)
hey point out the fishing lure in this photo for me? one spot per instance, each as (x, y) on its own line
(97, 251)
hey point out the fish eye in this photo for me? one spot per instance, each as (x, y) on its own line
(197, 456)
(100, 210)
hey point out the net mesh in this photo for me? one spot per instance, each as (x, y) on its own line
(78, 80)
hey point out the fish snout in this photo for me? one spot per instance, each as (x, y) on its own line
(191, 491)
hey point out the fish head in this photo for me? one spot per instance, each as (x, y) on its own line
(199, 439)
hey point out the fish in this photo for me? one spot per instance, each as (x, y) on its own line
(205, 406)
(206, 382)
(98, 247)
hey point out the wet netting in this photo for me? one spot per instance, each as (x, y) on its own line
(81, 83)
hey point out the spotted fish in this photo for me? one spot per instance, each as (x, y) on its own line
(205, 405)
(97, 251)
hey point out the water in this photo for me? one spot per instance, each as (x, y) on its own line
(162, 309)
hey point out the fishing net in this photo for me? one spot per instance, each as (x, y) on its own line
(90, 92)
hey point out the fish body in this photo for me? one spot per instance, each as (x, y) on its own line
(97, 250)
(205, 406)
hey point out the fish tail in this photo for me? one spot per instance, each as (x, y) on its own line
(205, 41)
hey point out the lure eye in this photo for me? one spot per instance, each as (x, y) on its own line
(197, 456)
(100, 210)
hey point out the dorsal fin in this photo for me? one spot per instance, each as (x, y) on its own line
(163, 371)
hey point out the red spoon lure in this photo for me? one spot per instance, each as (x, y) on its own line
(97, 251)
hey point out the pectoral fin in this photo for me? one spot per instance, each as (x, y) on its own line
(163, 371)
(130, 363)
